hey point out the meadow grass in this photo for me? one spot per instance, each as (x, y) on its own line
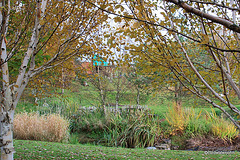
(48, 150)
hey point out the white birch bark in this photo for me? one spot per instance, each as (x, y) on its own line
(6, 108)
(7, 112)
(11, 94)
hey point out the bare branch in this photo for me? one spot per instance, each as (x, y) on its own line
(224, 22)
(216, 4)
(162, 26)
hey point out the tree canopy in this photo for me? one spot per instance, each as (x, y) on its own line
(194, 42)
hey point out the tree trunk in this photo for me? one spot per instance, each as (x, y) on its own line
(6, 125)
(7, 148)
(117, 101)
(138, 97)
(103, 98)
(63, 80)
(178, 94)
(117, 95)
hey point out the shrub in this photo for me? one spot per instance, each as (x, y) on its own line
(193, 123)
(74, 138)
(65, 106)
(88, 121)
(31, 126)
(126, 129)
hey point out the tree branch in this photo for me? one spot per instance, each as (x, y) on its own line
(224, 22)
(216, 4)
(162, 26)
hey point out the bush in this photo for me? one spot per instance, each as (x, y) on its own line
(88, 121)
(125, 129)
(31, 126)
(190, 122)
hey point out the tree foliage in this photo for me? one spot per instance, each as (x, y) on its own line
(194, 42)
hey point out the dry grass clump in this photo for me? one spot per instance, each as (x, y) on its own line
(31, 126)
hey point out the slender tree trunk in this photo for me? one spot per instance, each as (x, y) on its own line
(102, 98)
(178, 94)
(117, 101)
(117, 95)
(102, 94)
(63, 80)
(138, 97)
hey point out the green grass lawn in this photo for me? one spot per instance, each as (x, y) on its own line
(47, 150)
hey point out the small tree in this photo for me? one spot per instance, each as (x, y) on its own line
(139, 82)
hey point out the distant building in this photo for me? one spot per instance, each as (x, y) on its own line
(97, 65)
(88, 66)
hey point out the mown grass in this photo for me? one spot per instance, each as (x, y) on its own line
(49, 150)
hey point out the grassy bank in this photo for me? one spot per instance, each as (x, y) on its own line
(48, 150)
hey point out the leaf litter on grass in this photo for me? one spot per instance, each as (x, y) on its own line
(47, 150)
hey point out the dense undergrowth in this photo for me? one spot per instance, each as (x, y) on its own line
(130, 129)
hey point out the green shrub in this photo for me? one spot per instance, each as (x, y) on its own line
(126, 129)
(74, 138)
(64, 106)
(88, 121)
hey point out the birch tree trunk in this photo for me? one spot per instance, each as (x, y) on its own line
(10, 94)
(7, 108)
(7, 112)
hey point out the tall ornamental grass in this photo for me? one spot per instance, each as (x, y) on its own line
(189, 121)
(138, 129)
(32, 126)
(221, 127)
(177, 119)
(197, 124)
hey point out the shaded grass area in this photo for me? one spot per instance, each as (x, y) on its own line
(49, 150)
